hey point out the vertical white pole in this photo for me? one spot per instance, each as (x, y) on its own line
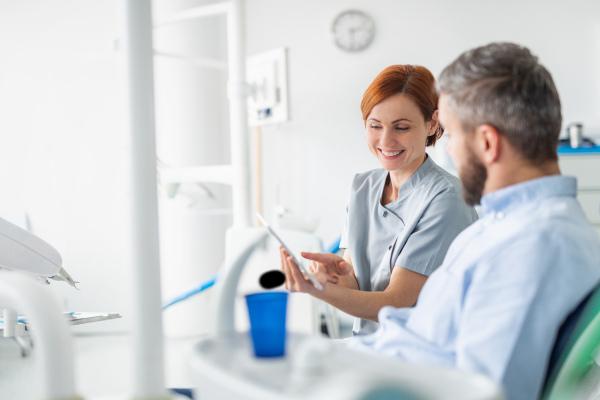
(238, 119)
(258, 169)
(147, 322)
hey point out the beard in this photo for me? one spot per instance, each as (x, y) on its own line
(473, 176)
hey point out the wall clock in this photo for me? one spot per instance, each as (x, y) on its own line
(352, 30)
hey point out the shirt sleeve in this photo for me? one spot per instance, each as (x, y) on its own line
(446, 216)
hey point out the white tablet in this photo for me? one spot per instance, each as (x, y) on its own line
(296, 259)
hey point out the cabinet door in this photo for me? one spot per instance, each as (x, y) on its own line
(585, 168)
(590, 202)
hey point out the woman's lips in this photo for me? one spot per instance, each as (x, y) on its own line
(391, 154)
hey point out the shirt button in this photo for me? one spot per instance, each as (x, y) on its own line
(499, 215)
(389, 248)
(385, 213)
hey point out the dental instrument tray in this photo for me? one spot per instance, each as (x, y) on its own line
(73, 318)
(78, 318)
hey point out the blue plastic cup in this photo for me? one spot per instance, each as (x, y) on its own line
(267, 312)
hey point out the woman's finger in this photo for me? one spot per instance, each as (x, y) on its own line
(344, 268)
(319, 257)
(286, 270)
(321, 271)
(334, 263)
(282, 264)
(297, 276)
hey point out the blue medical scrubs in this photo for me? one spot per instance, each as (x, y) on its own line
(412, 232)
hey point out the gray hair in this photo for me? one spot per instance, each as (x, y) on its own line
(504, 85)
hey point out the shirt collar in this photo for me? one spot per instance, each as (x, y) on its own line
(417, 177)
(535, 190)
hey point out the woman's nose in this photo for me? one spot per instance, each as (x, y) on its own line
(387, 138)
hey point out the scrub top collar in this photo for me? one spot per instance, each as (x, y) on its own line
(420, 175)
(509, 198)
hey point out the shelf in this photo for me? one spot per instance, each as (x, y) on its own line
(568, 150)
(208, 173)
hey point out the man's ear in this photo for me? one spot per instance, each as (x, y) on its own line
(487, 143)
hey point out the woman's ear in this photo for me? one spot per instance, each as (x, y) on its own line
(434, 123)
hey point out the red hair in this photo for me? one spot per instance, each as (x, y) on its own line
(414, 81)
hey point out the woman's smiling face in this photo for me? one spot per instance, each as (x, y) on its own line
(397, 133)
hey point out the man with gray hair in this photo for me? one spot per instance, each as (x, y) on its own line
(509, 280)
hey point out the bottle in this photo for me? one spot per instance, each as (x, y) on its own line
(575, 131)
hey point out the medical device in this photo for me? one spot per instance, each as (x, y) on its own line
(20, 250)
(296, 259)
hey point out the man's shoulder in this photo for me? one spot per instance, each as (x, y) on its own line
(557, 218)
(543, 237)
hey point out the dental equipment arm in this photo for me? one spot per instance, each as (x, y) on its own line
(22, 251)
(53, 338)
(226, 287)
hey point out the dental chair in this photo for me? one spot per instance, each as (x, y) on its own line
(574, 368)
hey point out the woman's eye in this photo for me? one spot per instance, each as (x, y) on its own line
(375, 127)
(400, 128)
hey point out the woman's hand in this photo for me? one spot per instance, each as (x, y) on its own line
(333, 267)
(295, 280)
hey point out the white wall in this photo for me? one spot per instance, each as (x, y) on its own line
(63, 147)
(310, 161)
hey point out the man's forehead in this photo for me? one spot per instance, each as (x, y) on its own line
(442, 106)
(442, 99)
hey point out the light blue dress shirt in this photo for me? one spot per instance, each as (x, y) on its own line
(507, 283)
(412, 232)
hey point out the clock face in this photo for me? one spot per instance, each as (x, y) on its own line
(353, 30)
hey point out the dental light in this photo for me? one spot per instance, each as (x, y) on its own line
(21, 250)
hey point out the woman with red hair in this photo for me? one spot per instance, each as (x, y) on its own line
(402, 217)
